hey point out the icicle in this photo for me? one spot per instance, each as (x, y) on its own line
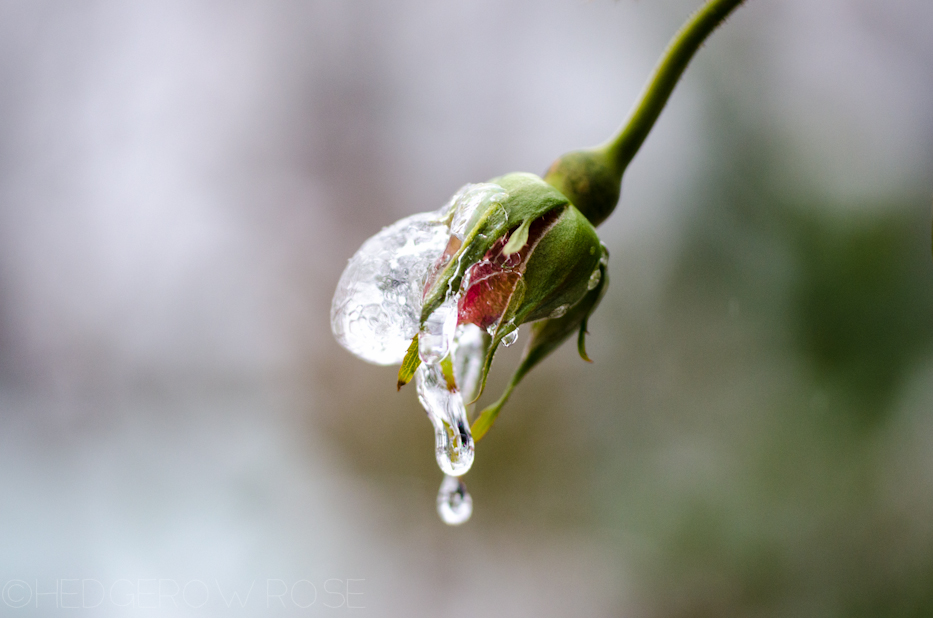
(453, 442)
(469, 352)
(438, 332)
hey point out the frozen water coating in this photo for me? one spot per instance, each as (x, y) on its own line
(438, 332)
(377, 305)
(468, 199)
(469, 352)
(453, 442)
(443, 395)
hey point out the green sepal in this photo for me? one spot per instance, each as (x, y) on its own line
(409, 364)
(559, 268)
(529, 197)
(547, 336)
(594, 296)
(590, 179)
(488, 416)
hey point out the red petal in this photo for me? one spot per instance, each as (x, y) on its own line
(487, 296)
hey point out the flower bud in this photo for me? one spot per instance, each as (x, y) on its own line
(530, 256)
(449, 286)
(547, 335)
(525, 198)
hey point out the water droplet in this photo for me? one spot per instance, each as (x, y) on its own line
(594, 279)
(454, 503)
(453, 442)
(510, 338)
(559, 312)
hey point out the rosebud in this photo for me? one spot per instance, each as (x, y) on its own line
(452, 285)
(530, 256)
(546, 336)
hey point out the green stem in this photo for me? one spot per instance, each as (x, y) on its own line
(623, 146)
(591, 178)
(488, 416)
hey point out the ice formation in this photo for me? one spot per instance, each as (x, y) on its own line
(377, 305)
(376, 312)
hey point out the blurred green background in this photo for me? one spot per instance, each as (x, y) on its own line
(181, 185)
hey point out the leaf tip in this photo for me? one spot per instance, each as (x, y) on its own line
(483, 422)
(409, 364)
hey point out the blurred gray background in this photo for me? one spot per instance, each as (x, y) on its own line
(181, 184)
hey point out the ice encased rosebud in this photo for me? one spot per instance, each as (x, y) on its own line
(498, 255)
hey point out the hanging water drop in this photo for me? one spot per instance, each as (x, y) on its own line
(454, 503)
(594, 279)
(510, 338)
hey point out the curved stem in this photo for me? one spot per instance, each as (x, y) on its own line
(488, 416)
(622, 147)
